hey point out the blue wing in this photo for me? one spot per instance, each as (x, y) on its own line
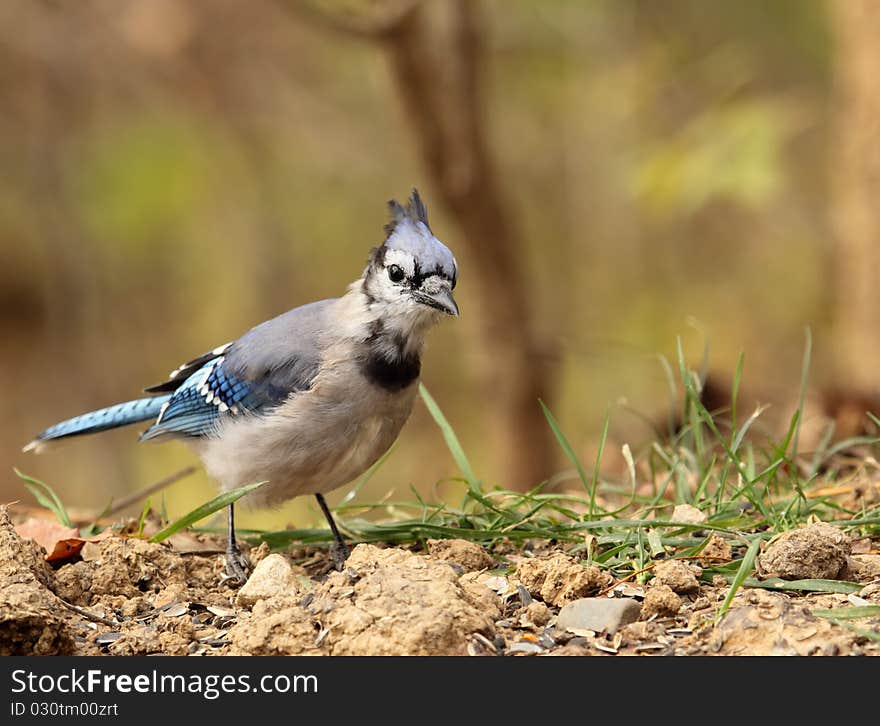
(211, 393)
(252, 375)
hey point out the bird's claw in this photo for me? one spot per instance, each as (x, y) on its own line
(238, 567)
(339, 552)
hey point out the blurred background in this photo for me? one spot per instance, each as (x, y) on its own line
(611, 174)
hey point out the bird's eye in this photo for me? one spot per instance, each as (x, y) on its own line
(395, 273)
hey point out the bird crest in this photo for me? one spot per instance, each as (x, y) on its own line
(414, 211)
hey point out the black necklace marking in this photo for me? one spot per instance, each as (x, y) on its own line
(393, 374)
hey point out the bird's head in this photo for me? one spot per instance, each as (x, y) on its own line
(411, 276)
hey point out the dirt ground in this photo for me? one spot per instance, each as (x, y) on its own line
(122, 595)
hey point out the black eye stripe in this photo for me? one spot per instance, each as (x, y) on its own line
(397, 274)
(419, 277)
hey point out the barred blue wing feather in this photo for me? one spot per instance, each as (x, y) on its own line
(212, 393)
(198, 404)
(182, 372)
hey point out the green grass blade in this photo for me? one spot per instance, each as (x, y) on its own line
(745, 569)
(451, 439)
(564, 444)
(207, 509)
(655, 542)
(851, 613)
(670, 382)
(594, 483)
(630, 465)
(353, 492)
(46, 496)
(734, 394)
(143, 518)
(805, 374)
(740, 435)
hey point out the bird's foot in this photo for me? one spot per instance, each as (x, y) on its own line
(238, 567)
(339, 552)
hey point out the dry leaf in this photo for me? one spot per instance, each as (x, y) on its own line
(60, 542)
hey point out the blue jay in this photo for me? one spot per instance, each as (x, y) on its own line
(309, 400)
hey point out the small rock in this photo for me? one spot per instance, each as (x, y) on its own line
(559, 579)
(272, 576)
(480, 595)
(661, 601)
(719, 580)
(598, 614)
(641, 631)
(863, 568)
(817, 551)
(716, 547)
(871, 593)
(471, 557)
(687, 514)
(680, 576)
(258, 554)
(861, 546)
(537, 613)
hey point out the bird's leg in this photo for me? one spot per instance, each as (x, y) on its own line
(238, 566)
(339, 551)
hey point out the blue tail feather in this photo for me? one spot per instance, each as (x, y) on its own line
(122, 414)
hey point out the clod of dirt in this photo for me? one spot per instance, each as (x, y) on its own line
(30, 615)
(386, 602)
(598, 614)
(871, 593)
(469, 556)
(863, 568)
(681, 577)
(816, 551)
(19, 556)
(169, 636)
(768, 623)
(559, 579)
(273, 576)
(641, 631)
(661, 601)
(537, 613)
(130, 567)
(717, 549)
(688, 514)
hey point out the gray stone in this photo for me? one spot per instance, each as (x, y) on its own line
(598, 614)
